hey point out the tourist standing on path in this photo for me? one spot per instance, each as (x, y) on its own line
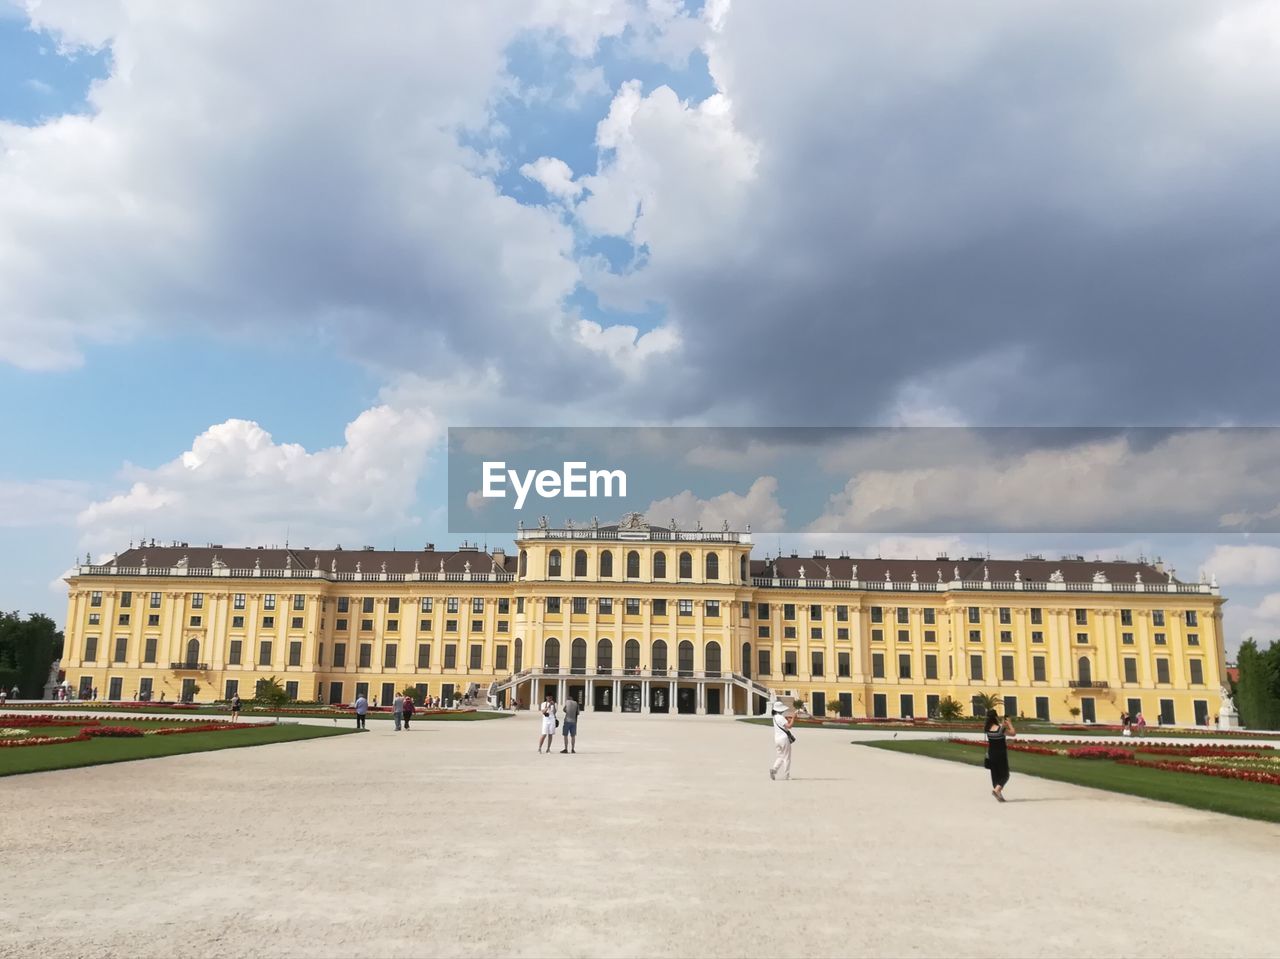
(397, 710)
(782, 740)
(1140, 724)
(362, 707)
(235, 707)
(571, 710)
(407, 708)
(997, 751)
(549, 724)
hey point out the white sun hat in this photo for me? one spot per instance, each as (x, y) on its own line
(779, 707)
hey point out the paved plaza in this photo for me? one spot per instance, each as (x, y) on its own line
(663, 837)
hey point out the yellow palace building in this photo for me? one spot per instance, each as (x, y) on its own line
(640, 618)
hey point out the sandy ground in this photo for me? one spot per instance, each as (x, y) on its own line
(663, 836)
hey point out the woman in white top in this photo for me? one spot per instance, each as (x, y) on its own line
(782, 740)
(549, 723)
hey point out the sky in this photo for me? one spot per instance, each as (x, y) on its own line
(256, 259)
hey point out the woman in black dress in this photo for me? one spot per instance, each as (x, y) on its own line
(997, 751)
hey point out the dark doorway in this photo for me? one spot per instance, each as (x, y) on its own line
(1087, 711)
(188, 690)
(631, 698)
(713, 700)
(446, 694)
(144, 689)
(114, 687)
(1201, 708)
(658, 699)
(686, 701)
(1134, 706)
(1042, 708)
(907, 706)
(746, 660)
(819, 703)
(335, 694)
(603, 698)
(1166, 712)
(846, 705)
(879, 705)
(579, 693)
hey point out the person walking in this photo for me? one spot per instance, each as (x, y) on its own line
(571, 710)
(397, 710)
(235, 707)
(408, 709)
(1140, 724)
(549, 724)
(362, 707)
(998, 730)
(783, 720)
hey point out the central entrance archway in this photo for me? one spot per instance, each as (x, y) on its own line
(631, 698)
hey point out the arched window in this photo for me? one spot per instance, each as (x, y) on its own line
(631, 654)
(686, 566)
(580, 563)
(551, 654)
(659, 565)
(1086, 671)
(746, 660)
(519, 654)
(686, 658)
(579, 661)
(604, 657)
(553, 563)
(606, 564)
(742, 568)
(713, 659)
(659, 656)
(713, 566)
(633, 565)
(524, 563)
(193, 651)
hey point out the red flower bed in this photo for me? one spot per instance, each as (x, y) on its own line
(1100, 752)
(201, 728)
(1222, 772)
(121, 732)
(1014, 747)
(42, 741)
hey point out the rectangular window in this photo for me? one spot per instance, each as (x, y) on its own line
(1162, 670)
(504, 607)
(1038, 674)
(366, 604)
(553, 605)
(762, 660)
(686, 607)
(1037, 636)
(122, 648)
(344, 604)
(152, 620)
(500, 659)
(815, 611)
(975, 635)
(788, 610)
(816, 662)
(904, 665)
(233, 688)
(762, 610)
(1082, 639)
(842, 665)
(269, 601)
(424, 655)
(605, 605)
(320, 654)
(632, 607)
(931, 666)
(477, 626)
(340, 625)
(519, 604)
(502, 626)
(789, 662)
(880, 705)
(477, 604)
(366, 625)
(389, 656)
(234, 657)
(291, 689)
(1157, 617)
(195, 620)
(237, 601)
(295, 654)
(1166, 712)
(815, 632)
(904, 636)
(930, 635)
(877, 614)
(877, 635)
(906, 706)
(1197, 672)
(1126, 617)
(366, 655)
(1193, 639)
(1126, 639)
(1037, 616)
(95, 619)
(1006, 617)
(580, 605)
(975, 666)
(713, 609)
(1192, 619)
(450, 656)
(424, 625)
(1006, 636)
(931, 704)
(762, 632)
(296, 623)
(339, 655)
(91, 649)
(123, 620)
(1160, 640)
(477, 653)
(1130, 669)
(197, 600)
(877, 665)
(155, 600)
(1006, 668)
(788, 632)
(903, 614)
(975, 615)
(95, 598)
(1011, 706)
(264, 653)
(842, 632)
(1042, 708)
(424, 605)
(842, 614)
(659, 608)
(930, 616)
(149, 650)
(451, 604)
(300, 601)
(1082, 617)
(268, 622)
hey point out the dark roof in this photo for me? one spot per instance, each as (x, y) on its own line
(900, 570)
(370, 560)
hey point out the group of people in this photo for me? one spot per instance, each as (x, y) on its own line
(551, 721)
(402, 710)
(1134, 723)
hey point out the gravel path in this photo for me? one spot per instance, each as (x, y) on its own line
(663, 836)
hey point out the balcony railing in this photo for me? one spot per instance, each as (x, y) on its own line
(1089, 684)
(188, 665)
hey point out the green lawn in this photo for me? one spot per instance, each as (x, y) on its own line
(29, 759)
(1231, 796)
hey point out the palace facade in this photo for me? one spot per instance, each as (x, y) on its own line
(641, 618)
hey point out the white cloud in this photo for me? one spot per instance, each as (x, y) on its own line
(758, 507)
(37, 86)
(554, 176)
(1249, 565)
(237, 484)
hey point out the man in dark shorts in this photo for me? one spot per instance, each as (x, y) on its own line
(571, 710)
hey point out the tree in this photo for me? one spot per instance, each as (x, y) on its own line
(984, 702)
(949, 709)
(412, 692)
(271, 694)
(1258, 690)
(28, 648)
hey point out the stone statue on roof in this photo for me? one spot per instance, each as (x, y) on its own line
(333, 565)
(217, 562)
(939, 576)
(182, 564)
(957, 575)
(466, 567)
(1056, 577)
(595, 522)
(1171, 574)
(415, 567)
(887, 579)
(698, 526)
(442, 564)
(357, 566)
(1137, 577)
(257, 562)
(674, 527)
(1017, 576)
(568, 524)
(543, 523)
(986, 575)
(724, 527)
(915, 578)
(1099, 577)
(802, 572)
(317, 562)
(828, 571)
(384, 567)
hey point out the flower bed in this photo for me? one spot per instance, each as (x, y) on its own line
(1222, 772)
(95, 729)
(111, 732)
(1100, 752)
